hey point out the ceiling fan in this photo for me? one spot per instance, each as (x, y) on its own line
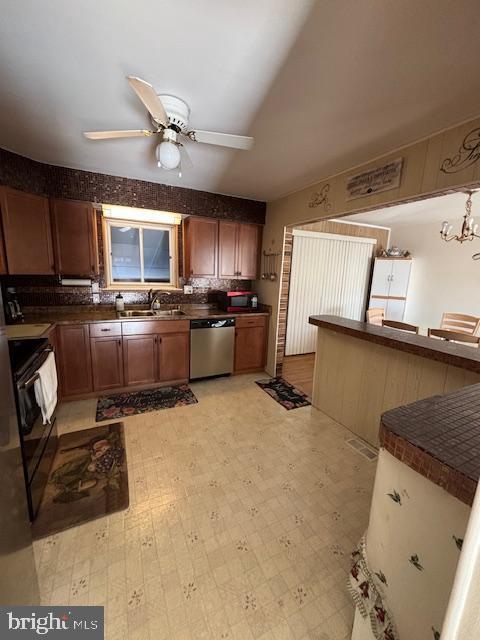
(170, 120)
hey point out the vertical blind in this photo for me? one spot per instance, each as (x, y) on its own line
(329, 275)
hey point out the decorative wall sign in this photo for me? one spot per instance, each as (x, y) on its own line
(468, 153)
(320, 198)
(375, 180)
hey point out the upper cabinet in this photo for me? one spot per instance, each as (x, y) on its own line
(200, 247)
(248, 251)
(239, 250)
(222, 249)
(74, 238)
(27, 233)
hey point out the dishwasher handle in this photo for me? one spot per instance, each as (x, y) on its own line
(212, 323)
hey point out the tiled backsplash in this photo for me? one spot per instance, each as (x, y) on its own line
(61, 182)
(28, 175)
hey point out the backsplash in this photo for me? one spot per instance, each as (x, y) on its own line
(61, 182)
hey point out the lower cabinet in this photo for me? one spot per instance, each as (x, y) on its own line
(173, 357)
(107, 363)
(140, 359)
(74, 359)
(250, 343)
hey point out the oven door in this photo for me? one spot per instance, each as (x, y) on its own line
(33, 433)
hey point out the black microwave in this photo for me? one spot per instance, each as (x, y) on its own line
(237, 301)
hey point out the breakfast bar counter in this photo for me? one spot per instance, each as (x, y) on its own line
(363, 370)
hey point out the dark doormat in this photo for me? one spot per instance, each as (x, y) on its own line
(284, 393)
(88, 480)
(127, 404)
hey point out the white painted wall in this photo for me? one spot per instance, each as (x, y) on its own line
(444, 276)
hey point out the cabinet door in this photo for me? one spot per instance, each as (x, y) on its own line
(248, 251)
(400, 277)
(75, 238)
(250, 348)
(27, 231)
(3, 259)
(107, 363)
(381, 277)
(173, 357)
(395, 310)
(227, 249)
(201, 245)
(74, 359)
(140, 359)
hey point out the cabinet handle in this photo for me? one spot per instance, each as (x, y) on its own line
(105, 329)
(119, 343)
(160, 340)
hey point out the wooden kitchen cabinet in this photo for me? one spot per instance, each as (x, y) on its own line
(140, 359)
(173, 357)
(74, 359)
(250, 343)
(27, 233)
(74, 237)
(239, 250)
(200, 247)
(249, 247)
(107, 363)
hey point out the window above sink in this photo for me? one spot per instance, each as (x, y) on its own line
(140, 252)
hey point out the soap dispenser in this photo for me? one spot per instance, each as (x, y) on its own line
(119, 303)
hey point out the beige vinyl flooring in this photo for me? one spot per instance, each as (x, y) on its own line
(241, 522)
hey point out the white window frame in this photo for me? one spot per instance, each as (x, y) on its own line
(140, 286)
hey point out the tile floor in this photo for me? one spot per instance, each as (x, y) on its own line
(242, 517)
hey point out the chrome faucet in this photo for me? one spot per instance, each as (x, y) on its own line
(153, 297)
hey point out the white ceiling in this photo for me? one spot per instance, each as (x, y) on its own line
(321, 84)
(434, 210)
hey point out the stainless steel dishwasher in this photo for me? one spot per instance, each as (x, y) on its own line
(211, 347)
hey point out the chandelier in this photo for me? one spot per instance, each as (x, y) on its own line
(469, 228)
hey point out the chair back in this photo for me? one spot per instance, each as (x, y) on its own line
(460, 323)
(375, 315)
(454, 336)
(402, 326)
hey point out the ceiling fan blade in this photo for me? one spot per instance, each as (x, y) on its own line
(186, 161)
(222, 139)
(147, 95)
(127, 133)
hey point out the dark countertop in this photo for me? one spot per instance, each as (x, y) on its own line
(450, 353)
(82, 315)
(440, 438)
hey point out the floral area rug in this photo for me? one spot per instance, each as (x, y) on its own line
(284, 393)
(88, 479)
(127, 404)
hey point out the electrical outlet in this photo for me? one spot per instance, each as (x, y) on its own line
(96, 298)
(187, 289)
(95, 287)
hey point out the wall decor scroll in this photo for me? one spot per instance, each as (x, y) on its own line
(375, 180)
(468, 153)
(320, 198)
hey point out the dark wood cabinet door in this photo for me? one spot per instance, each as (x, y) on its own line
(173, 357)
(3, 258)
(227, 249)
(250, 348)
(140, 359)
(27, 233)
(107, 363)
(75, 363)
(248, 251)
(74, 237)
(201, 247)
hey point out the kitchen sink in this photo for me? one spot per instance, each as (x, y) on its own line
(150, 314)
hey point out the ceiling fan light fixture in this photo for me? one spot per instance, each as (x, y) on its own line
(168, 155)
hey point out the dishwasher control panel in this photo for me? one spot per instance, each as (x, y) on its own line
(212, 324)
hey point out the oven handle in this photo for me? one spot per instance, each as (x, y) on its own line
(35, 376)
(30, 381)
